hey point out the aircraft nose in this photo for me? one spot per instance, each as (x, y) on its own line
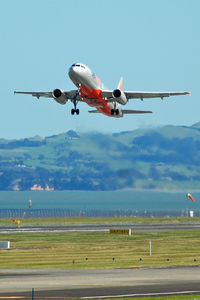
(74, 70)
(71, 70)
(77, 71)
(74, 73)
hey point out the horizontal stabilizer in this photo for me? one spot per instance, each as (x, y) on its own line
(130, 111)
(93, 111)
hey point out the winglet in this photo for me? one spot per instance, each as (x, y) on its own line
(120, 84)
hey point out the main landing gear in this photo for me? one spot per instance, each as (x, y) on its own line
(75, 110)
(114, 112)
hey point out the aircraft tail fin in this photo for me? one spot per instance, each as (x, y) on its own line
(120, 84)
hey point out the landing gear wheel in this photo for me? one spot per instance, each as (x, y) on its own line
(73, 111)
(75, 102)
(114, 112)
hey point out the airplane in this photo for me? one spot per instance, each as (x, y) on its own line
(91, 91)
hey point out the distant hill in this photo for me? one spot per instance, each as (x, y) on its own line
(161, 158)
(196, 125)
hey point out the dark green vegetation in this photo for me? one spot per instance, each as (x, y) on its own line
(166, 157)
(70, 250)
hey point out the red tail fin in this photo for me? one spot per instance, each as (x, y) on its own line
(120, 84)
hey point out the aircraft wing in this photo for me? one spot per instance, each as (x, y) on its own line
(36, 94)
(68, 94)
(143, 95)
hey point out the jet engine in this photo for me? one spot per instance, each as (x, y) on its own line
(120, 96)
(59, 96)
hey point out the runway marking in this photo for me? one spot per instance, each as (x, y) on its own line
(13, 297)
(139, 295)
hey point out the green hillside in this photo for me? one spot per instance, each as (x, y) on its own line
(161, 158)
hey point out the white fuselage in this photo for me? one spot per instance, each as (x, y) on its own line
(90, 87)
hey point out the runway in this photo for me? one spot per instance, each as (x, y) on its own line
(72, 283)
(157, 227)
(63, 284)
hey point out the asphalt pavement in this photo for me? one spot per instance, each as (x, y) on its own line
(68, 283)
(71, 283)
(102, 227)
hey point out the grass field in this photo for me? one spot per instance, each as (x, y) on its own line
(70, 250)
(96, 220)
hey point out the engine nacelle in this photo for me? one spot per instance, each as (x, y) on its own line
(59, 96)
(120, 96)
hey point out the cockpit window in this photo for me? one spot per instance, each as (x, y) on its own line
(78, 65)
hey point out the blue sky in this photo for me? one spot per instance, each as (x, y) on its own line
(154, 45)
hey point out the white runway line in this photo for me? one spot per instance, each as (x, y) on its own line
(141, 295)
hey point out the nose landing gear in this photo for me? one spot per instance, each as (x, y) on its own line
(75, 110)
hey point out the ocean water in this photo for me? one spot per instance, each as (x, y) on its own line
(112, 200)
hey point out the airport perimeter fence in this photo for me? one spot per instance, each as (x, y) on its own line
(49, 213)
